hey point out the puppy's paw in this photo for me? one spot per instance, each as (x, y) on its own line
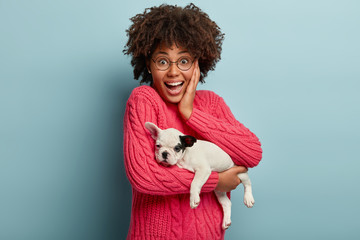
(194, 200)
(249, 200)
(226, 224)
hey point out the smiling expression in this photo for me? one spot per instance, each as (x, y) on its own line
(171, 84)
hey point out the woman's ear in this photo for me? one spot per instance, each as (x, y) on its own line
(148, 66)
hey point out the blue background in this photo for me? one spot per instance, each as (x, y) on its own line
(289, 71)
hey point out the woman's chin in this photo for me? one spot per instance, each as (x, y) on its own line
(173, 99)
(172, 96)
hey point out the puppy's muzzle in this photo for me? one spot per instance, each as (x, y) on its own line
(165, 163)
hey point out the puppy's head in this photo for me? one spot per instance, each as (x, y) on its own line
(170, 144)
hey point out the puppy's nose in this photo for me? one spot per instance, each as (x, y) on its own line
(164, 155)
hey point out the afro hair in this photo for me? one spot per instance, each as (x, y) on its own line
(188, 27)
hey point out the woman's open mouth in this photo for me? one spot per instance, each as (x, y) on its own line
(174, 88)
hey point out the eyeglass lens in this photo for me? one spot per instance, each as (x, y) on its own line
(183, 63)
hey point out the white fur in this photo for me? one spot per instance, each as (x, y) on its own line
(202, 158)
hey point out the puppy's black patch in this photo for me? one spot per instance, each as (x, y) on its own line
(187, 141)
(179, 147)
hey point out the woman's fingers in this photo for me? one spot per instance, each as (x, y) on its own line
(195, 76)
(186, 103)
(228, 180)
(240, 169)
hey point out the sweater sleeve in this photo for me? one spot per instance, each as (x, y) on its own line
(144, 173)
(220, 127)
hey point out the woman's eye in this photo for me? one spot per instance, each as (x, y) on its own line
(162, 62)
(184, 61)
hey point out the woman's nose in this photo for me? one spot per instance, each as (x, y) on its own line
(173, 70)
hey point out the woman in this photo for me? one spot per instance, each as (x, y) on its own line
(172, 49)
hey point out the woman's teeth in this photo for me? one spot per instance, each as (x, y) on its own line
(174, 84)
(174, 88)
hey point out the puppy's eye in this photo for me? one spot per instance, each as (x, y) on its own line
(157, 145)
(177, 149)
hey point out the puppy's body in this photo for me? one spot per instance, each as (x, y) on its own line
(195, 158)
(200, 157)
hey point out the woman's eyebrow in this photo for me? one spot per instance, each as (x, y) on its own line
(157, 53)
(165, 53)
(182, 52)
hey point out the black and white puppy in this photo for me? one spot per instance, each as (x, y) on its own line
(201, 157)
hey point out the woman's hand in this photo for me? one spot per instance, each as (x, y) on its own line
(228, 180)
(186, 104)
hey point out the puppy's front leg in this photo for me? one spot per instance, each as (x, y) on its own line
(201, 176)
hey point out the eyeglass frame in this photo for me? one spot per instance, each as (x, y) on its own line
(171, 62)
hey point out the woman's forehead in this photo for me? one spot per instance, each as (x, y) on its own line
(172, 50)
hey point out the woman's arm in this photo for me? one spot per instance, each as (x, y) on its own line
(144, 173)
(220, 127)
(229, 180)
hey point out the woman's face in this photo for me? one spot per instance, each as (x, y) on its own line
(171, 83)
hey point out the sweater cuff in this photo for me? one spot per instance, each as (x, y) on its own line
(211, 183)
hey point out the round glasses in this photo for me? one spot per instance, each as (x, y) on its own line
(163, 63)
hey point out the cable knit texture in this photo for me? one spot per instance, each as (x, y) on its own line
(161, 200)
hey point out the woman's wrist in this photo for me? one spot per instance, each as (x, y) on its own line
(186, 114)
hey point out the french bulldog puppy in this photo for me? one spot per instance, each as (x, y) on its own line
(201, 157)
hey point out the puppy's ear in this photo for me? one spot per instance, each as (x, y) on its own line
(153, 129)
(187, 140)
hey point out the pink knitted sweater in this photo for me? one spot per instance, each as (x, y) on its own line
(160, 201)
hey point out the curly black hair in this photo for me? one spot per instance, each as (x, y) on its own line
(188, 27)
